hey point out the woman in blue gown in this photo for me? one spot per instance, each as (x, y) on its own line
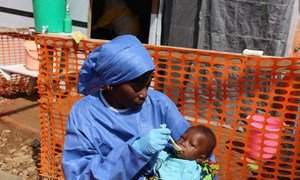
(115, 133)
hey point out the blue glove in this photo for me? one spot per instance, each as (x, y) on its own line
(153, 141)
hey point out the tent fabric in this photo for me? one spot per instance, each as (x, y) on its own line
(179, 25)
(230, 25)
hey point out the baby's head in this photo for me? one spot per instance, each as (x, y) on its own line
(198, 142)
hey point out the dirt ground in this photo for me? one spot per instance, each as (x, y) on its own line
(19, 150)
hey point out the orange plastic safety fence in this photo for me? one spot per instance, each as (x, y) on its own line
(12, 52)
(251, 103)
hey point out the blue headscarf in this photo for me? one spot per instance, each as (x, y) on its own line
(116, 62)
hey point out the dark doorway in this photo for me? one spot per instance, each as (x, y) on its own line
(111, 18)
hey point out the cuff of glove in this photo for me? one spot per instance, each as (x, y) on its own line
(135, 145)
(140, 148)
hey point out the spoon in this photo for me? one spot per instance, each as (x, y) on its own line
(175, 146)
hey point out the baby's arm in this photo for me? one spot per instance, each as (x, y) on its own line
(162, 156)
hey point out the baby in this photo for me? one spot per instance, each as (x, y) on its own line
(198, 143)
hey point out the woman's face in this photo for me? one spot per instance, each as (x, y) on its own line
(128, 95)
(193, 143)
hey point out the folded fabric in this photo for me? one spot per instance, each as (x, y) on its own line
(16, 69)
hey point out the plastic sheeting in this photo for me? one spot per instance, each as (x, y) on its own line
(228, 25)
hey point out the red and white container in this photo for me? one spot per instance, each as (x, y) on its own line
(263, 137)
(31, 56)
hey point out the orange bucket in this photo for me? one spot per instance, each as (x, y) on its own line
(31, 56)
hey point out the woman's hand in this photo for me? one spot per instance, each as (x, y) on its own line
(153, 141)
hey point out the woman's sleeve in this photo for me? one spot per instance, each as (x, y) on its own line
(82, 160)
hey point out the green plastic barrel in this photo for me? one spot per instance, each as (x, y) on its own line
(49, 13)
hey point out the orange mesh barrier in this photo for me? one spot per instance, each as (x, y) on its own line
(251, 103)
(12, 52)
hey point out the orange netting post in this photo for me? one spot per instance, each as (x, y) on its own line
(221, 90)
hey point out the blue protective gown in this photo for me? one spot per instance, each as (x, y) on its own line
(98, 143)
